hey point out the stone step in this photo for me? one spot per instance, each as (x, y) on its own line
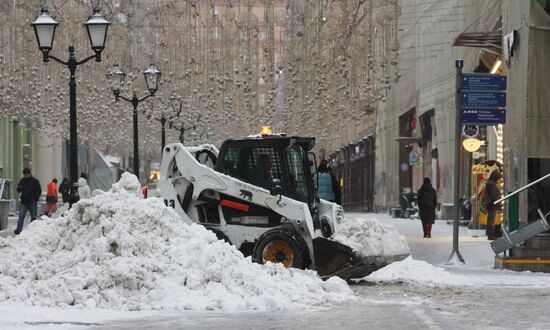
(541, 241)
(521, 265)
(530, 252)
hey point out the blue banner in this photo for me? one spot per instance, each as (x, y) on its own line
(487, 82)
(483, 116)
(481, 99)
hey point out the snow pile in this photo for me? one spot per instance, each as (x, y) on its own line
(369, 237)
(420, 272)
(415, 271)
(119, 251)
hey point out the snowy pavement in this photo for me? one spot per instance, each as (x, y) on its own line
(418, 293)
(12, 225)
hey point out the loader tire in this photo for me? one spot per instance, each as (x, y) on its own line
(326, 230)
(219, 234)
(281, 246)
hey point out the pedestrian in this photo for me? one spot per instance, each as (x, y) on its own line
(326, 184)
(64, 189)
(492, 193)
(51, 198)
(83, 189)
(427, 201)
(30, 190)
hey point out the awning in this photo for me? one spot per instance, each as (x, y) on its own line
(488, 41)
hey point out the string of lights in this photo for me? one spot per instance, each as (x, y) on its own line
(309, 68)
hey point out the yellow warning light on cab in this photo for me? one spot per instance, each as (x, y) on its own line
(266, 130)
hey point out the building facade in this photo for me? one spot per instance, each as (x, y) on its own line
(20, 147)
(415, 121)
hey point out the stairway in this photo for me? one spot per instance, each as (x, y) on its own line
(533, 255)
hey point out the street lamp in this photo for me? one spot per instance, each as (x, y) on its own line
(181, 127)
(176, 104)
(116, 77)
(44, 28)
(164, 117)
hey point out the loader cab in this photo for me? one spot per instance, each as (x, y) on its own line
(268, 160)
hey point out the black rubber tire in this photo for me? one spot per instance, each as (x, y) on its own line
(219, 234)
(326, 230)
(299, 247)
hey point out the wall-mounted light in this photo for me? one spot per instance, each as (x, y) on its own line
(496, 66)
(471, 144)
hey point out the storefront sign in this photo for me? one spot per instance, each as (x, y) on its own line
(478, 169)
(471, 144)
(470, 131)
(414, 158)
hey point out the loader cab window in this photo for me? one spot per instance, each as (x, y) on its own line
(295, 158)
(257, 166)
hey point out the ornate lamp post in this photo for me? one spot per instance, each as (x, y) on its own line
(176, 104)
(116, 77)
(182, 130)
(164, 117)
(44, 28)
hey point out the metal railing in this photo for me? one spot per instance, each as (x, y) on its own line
(522, 189)
(524, 233)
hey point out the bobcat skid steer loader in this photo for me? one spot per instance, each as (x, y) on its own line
(257, 193)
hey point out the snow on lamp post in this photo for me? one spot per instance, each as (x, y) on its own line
(44, 28)
(115, 77)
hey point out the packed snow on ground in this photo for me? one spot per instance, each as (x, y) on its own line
(370, 237)
(420, 272)
(117, 250)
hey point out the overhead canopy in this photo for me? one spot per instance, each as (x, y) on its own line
(488, 41)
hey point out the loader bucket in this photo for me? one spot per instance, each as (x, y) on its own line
(336, 259)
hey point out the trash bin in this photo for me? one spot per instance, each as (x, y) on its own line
(4, 210)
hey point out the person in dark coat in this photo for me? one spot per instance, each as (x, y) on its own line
(427, 201)
(64, 188)
(30, 190)
(492, 193)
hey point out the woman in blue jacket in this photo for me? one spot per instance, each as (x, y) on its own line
(326, 184)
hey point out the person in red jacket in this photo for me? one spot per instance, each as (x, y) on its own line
(51, 198)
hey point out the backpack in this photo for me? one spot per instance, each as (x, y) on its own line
(427, 199)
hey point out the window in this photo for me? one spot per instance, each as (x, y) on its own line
(258, 166)
(295, 158)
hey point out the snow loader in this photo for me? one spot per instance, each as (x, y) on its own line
(267, 210)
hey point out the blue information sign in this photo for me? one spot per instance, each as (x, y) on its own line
(483, 116)
(481, 99)
(487, 82)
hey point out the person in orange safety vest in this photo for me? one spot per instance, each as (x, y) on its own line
(51, 198)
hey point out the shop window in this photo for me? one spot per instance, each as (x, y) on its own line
(426, 125)
(545, 4)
